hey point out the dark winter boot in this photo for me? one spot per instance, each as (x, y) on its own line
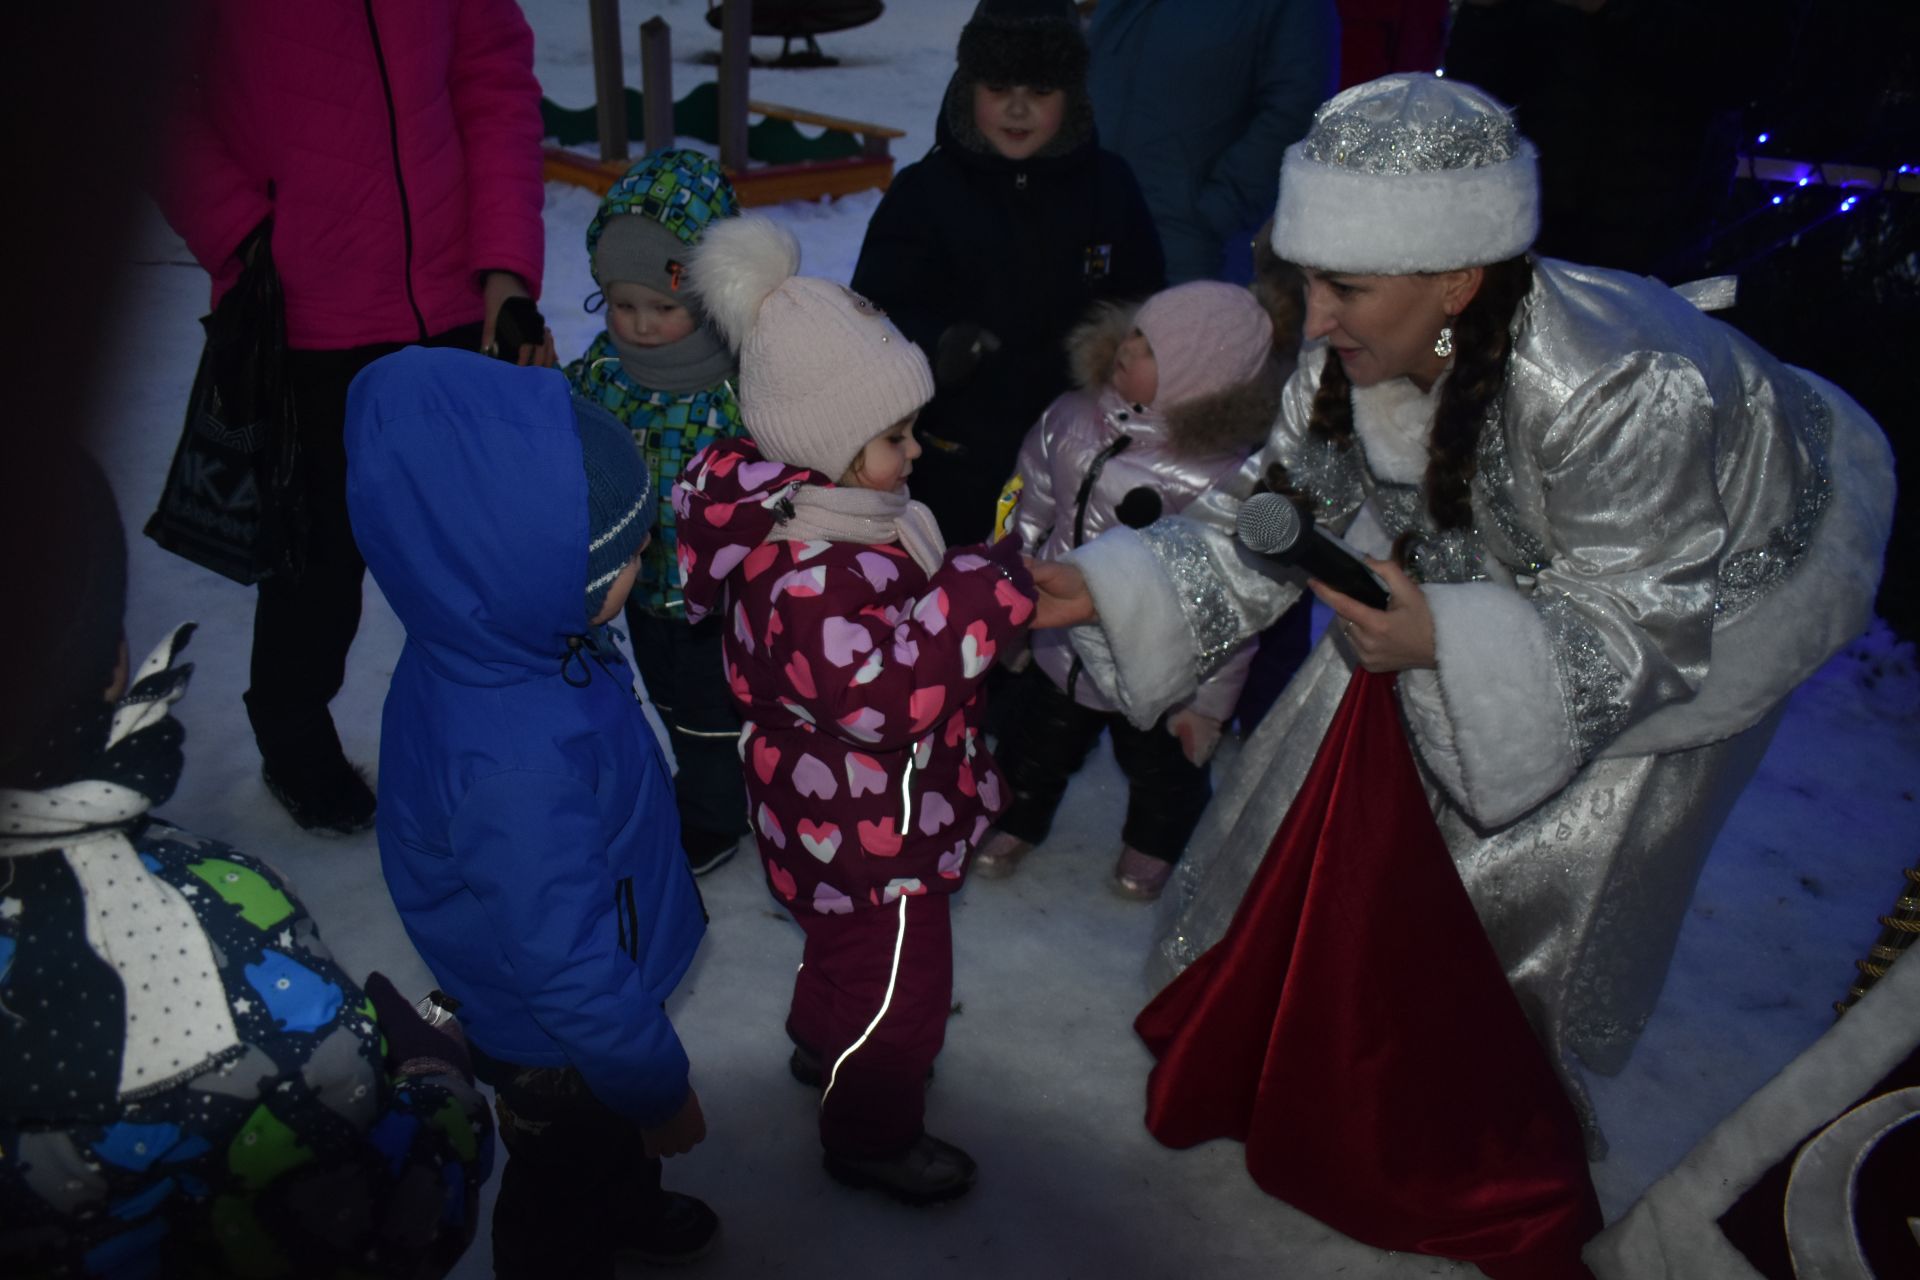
(679, 1230)
(333, 799)
(926, 1173)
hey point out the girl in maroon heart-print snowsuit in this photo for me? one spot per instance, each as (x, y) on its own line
(856, 648)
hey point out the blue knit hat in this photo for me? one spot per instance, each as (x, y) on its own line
(621, 501)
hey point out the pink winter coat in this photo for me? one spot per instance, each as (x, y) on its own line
(401, 143)
(858, 680)
(1094, 461)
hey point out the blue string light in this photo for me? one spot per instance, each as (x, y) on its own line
(1762, 138)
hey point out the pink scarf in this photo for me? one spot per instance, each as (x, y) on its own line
(835, 513)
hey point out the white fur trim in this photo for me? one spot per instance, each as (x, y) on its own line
(1392, 421)
(1141, 652)
(1669, 1234)
(1761, 654)
(738, 262)
(1426, 712)
(1397, 223)
(1367, 535)
(1501, 689)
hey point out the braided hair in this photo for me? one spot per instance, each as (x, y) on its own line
(1482, 342)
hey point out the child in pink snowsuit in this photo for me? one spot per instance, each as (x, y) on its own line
(856, 648)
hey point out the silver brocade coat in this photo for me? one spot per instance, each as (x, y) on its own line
(1671, 530)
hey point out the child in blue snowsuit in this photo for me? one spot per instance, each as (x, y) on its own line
(526, 822)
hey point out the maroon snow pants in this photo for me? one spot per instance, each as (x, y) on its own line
(852, 993)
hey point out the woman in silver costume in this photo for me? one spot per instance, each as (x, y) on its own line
(1615, 531)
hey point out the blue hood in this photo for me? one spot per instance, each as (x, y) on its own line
(469, 501)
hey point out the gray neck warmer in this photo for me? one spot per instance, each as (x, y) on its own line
(697, 361)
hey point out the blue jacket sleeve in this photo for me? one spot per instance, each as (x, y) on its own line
(532, 850)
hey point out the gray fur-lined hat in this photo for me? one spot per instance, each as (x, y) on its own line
(1037, 43)
(1030, 42)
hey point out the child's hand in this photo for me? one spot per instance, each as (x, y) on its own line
(1063, 599)
(1199, 735)
(1007, 555)
(686, 1130)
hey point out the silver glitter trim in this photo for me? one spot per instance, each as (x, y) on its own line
(1748, 575)
(1594, 688)
(1357, 140)
(1181, 547)
(1493, 481)
(1463, 555)
(1335, 477)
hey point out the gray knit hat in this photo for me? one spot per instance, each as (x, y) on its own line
(621, 500)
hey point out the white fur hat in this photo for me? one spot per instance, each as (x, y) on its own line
(822, 370)
(1408, 173)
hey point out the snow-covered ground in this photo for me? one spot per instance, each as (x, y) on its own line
(1042, 1079)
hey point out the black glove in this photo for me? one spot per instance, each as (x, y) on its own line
(959, 352)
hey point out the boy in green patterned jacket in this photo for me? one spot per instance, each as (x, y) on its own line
(661, 369)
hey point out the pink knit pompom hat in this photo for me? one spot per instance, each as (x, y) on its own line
(822, 370)
(1206, 337)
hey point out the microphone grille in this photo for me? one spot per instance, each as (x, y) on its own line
(1269, 524)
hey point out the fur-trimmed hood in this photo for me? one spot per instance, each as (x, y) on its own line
(1234, 420)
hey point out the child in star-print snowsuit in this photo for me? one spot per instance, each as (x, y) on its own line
(190, 1084)
(856, 646)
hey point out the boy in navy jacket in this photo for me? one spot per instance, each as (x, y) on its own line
(527, 829)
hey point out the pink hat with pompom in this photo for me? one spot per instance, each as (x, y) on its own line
(822, 370)
(1206, 337)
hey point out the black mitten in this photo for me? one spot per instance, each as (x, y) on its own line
(413, 1047)
(959, 352)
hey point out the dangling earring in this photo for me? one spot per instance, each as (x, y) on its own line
(1443, 345)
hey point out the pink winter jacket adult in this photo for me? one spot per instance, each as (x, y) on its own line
(396, 144)
(858, 678)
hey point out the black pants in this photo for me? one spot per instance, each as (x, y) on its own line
(1050, 737)
(576, 1176)
(686, 677)
(303, 626)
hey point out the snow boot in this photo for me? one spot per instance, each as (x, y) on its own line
(925, 1173)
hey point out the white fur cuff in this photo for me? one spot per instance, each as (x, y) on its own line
(1501, 688)
(1141, 654)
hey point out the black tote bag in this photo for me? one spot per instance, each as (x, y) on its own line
(232, 498)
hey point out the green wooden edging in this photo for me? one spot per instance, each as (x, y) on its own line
(698, 116)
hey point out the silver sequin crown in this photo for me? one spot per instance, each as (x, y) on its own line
(1411, 124)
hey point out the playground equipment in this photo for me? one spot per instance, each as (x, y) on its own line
(803, 20)
(767, 162)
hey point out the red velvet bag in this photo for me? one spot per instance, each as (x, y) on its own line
(1354, 1029)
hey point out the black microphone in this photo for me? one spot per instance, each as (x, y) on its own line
(1270, 525)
